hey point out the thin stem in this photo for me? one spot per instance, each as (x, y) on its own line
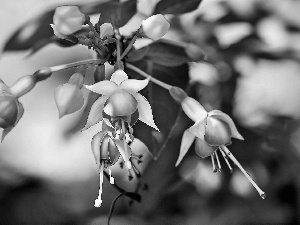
(92, 27)
(75, 64)
(154, 80)
(229, 154)
(112, 207)
(129, 47)
(176, 43)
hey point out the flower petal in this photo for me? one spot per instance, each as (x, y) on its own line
(145, 110)
(133, 85)
(95, 145)
(120, 103)
(217, 132)
(95, 115)
(103, 87)
(118, 77)
(198, 129)
(193, 109)
(203, 149)
(122, 148)
(224, 117)
(186, 142)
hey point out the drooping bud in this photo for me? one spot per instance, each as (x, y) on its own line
(68, 99)
(106, 30)
(77, 79)
(178, 94)
(154, 27)
(42, 74)
(23, 85)
(68, 19)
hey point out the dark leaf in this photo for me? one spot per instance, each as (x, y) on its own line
(136, 55)
(167, 54)
(31, 32)
(164, 108)
(176, 7)
(118, 13)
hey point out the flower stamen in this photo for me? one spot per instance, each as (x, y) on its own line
(226, 160)
(218, 161)
(213, 163)
(228, 153)
(98, 201)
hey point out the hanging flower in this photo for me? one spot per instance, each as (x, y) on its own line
(154, 27)
(11, 110)
(120, 98)
(67, 20)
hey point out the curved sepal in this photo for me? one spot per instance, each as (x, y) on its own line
(95, 145)
(133, 85)
(105, 87)
(187, 140)
(198, 129)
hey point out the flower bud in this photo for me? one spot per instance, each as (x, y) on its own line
(77, 79)
(42, 74)
(68, 19)
(68, 99)
(106, 30)
(8, 111)
(154, 27)
(194, 52)
(23, 85)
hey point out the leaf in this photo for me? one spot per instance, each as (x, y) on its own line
(31, 32)
(164, 108)
(167, 54)
(115, 12)
(136, 55)
(176, 7)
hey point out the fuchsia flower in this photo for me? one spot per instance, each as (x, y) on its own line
(155, 27)
(120, 97)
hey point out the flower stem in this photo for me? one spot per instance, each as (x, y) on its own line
(229, 154)
(154, 80)
(129, 47)
(112, 207)
(74, 64)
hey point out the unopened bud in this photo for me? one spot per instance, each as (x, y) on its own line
(77, 79)
(99, 74)
(194, 52)
(106, 30)
(154, 27)
(23, 85)
(8, 111)
(42, 74)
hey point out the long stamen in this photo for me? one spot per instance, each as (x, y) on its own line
(213, 163)
(226, 160)
(218, 161)
(111, 179)
(98, 201)
(127, 162)
(228, 153)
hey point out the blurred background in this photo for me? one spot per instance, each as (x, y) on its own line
(48, 175)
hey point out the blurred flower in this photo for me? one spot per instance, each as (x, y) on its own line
(120, 98)
(155, 27)
(67, 20)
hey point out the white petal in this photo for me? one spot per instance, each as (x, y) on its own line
(225, 118)
(186, 142)
(95, 144)
(118, 77)
(103, 87)
(133, 85)
(198, 129)
(145, 111)
(95, 115)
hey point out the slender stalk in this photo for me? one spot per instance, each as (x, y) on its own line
(176, 43)
(75, 64)
(229, 154)
(112, 207)
(129, 47)
(154, 80)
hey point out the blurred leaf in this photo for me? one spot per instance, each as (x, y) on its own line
(164, 108)
(167, 54)
(176, 7)
(31, 32)
(112, 11)
(137, 54)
